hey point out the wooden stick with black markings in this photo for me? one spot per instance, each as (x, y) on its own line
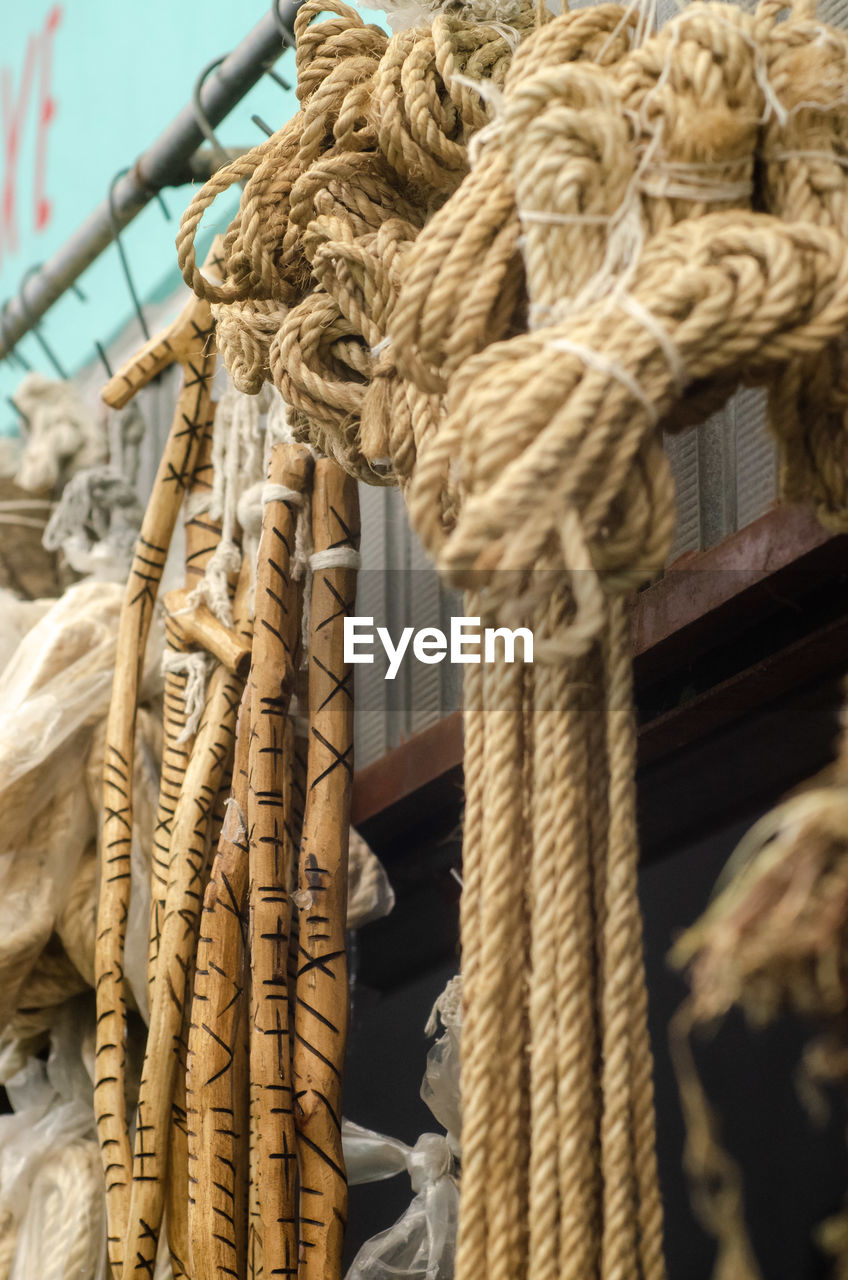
(197, 355)
(321, 1012)
(217, 1076)
(275, 643)
(189, 848)
(201, 538)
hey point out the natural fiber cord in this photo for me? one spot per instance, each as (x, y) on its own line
(493, 261)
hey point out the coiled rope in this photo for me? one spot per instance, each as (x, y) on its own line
(493, 268)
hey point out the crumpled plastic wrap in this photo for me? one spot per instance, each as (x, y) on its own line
(421, 1245)
(19, 617)
(58, 680)
(440, 1086)
(53, 692)
(370, 895)
(52, 1198)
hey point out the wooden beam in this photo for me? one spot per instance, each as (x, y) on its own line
(704, 598)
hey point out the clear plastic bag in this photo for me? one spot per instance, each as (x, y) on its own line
(370, 894)
(60, 677)
(62, 1235)
(18, 618)
(53, 691)
(52, 1197)
(421, 1245)
(440, 1086)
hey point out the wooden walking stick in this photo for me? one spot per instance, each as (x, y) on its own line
(297, 786)
(321, 1012)
(185, 628)
(186, 632)
(217, 1075)
(201, 538)
(273, 669)
(197, 356)
(212, 747)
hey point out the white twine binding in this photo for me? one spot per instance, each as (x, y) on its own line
(241, 449)
(663, 338)
(281, 493)
(9, 512)
(335, 558)
(332, 558)
(595, 360)
(777, 156)
(196, 666)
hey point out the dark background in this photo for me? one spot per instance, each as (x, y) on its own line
(696, 800)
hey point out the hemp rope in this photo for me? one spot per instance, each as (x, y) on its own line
(607, 209)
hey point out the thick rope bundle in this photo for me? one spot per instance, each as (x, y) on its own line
(62, 435)
(589, 274)
(381, 137)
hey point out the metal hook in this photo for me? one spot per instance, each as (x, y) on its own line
(104, 359)
(285, 32)
(24, 417)
(11, 352)
(125, 266)
(201, 117)
(278, 79)
(33, 323)
(260, 124)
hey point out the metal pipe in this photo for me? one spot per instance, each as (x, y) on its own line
(165, 163)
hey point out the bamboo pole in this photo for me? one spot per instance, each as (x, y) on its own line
(217, 1074)
(321, 1012)
(175, 471)
(201, 784)
(273, 669)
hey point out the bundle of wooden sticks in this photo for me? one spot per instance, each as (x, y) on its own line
(234, 1143)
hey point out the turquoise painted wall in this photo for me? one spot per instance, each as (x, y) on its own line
(118, 73)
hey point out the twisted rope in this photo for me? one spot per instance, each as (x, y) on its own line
(493, 265)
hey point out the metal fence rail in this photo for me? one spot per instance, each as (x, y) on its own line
(165, 163)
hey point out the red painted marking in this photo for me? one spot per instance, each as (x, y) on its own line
(13, 110)
(16, 108)
(46, 115)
